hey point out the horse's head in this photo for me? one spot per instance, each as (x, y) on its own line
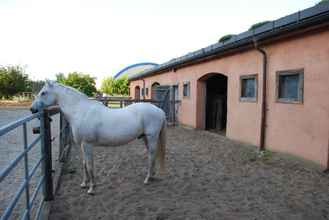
(45, 98)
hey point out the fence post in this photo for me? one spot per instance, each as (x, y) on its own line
(173, 103)
(46, 151)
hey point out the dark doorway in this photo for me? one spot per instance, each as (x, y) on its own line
(216, 103)
(137, 93)
(153, 89)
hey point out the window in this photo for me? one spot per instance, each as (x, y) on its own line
(143, 91)
(289, 86)
(147, 91)
(186, 89)
(248, 84)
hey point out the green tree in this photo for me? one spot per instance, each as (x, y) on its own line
(121, 86)
(82, 82)
(113, 86)
(108, 85)
(34, 86)
(13, 80)
(60, 77)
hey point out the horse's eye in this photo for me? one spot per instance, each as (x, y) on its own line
(43, 93)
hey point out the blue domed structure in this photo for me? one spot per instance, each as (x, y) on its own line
(135, 69)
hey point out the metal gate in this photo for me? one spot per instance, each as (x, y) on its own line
(166, 98)
(45, 181)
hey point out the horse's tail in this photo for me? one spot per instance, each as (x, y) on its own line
(162, 147)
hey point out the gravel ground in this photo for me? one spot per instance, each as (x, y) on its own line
(11, 145)
(209, 177)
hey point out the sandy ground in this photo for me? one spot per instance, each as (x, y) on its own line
(209, 177)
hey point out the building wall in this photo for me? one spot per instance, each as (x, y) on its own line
(300, 129)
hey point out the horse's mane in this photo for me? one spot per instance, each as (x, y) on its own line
(71, 90)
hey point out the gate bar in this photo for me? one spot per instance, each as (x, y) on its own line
(6, 171)
(5, 129)
(12, 205)
(26, 169)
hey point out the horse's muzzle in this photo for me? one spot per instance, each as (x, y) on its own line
(33, 110)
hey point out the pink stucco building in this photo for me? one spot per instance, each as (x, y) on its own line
(268, 86)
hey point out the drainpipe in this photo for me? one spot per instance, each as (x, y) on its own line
(144, 89)
(264, 101)
(327, 169)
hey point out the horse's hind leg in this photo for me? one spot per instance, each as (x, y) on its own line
(151, 144)
(89, 162)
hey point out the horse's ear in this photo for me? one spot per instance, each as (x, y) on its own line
(49, 83)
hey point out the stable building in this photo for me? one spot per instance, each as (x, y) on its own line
(268, 87)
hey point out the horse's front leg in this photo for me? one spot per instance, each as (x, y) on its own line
(85, 175)
(84, 169)
(88, 154)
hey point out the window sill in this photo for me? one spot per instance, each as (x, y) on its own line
(248, 99)
(289, 101)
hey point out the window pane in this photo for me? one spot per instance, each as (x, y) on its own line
(288, 86)
(248, 89)
(186, 89)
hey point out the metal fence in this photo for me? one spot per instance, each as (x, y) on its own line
(166, 102)
(45, 161)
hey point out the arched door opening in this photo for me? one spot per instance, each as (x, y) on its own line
(153, 88)
(137, 93)
(212, 102)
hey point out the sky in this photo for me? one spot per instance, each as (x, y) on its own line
(101, 37)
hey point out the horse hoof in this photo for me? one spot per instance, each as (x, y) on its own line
(91, 192)
(83, 185)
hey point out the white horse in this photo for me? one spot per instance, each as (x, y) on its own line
(94, 124)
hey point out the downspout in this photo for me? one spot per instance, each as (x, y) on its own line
(264, 101)
(144, 89)
(327, 168)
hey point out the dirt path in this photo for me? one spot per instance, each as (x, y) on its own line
(209, 177)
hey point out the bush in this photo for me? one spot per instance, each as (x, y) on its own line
(257, 25)
(225, 38)
(21, 98)
(322, 1)
(13, 80)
